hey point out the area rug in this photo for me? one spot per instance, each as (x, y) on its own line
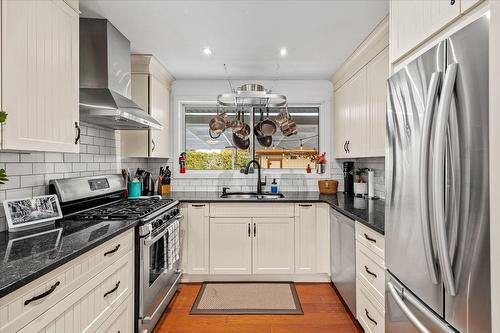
(221, 298)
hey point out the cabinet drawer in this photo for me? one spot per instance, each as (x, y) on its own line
(370, 272)
(87, 308)
(65, 279)
(121, 320)
(244, 209)
(369, 313)
(371, 239)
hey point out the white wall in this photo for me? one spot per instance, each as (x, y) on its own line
(495, 162)
(298, 92)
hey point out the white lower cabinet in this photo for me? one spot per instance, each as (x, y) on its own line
(120, 321)
(86, 292)
(273, 246)
(305, 238)
(370, 315)
(257, 239)
(230, 245)
(370, 279)
(197, 240)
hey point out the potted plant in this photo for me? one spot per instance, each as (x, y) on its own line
(320, 161)
(360, 186)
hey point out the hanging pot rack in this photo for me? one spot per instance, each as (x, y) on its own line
(251, 95)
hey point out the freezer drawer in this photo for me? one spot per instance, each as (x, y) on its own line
(404, 312)
(343, 258)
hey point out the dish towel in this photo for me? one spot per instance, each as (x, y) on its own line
(173, 244)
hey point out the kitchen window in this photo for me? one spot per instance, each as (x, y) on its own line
(294, 152)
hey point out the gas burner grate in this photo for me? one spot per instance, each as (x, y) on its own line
(126, 209)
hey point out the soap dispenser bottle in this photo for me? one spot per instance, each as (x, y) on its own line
(274, 186)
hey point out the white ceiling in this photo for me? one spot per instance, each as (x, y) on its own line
(246, 35)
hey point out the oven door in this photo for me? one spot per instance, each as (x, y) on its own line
(160, 275)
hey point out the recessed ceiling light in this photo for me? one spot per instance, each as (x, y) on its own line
(207, 51)
(283, 52)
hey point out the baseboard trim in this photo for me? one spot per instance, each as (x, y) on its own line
(189, 278)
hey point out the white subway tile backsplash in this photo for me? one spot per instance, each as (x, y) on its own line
(69, 157)
(92, 149)
(86, 158)
(32, 180)
(32, 157)
(9, 157)
(63, 167)
(78, 167)
(19, 193)
(53, 157)
(42, 168)
(13, 182)
(15, 169)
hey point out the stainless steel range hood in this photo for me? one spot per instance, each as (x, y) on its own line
(105, 79)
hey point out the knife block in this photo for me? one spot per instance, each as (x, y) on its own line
(162, 189)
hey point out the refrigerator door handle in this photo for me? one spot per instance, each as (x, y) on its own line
(400, 301)
(439, 174)
(424, 175)
(414, 320)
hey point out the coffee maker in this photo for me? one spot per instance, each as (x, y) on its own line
(348, 178)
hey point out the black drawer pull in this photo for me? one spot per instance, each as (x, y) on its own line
(255, 230)
(368, 316)
(370, 272)
(198, 205)
(45, 294)
(373, 240)
(452, 2)
(112, 251)
(248, 229)
(112, 290)
(302, 205)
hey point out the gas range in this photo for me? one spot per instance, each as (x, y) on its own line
(158, 235)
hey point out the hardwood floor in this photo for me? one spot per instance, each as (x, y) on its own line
(323, 312)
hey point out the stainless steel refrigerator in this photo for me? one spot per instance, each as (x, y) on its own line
(437, 201)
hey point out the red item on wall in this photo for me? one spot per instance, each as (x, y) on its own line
(182, 163)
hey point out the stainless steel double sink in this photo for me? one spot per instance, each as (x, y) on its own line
(251, 195)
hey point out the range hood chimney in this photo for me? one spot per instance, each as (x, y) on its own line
(105, 79)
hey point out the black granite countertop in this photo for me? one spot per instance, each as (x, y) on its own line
(369, 212)
(27, 255)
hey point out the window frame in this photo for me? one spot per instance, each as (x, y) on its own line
(180, 103)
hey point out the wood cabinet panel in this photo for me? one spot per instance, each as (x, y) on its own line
(40, 75)
(273, 245)
(198, 239)
(230, 245)
(305, 238)
(87, 308)
(377, 75)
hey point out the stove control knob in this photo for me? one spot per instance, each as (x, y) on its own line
(166, 216)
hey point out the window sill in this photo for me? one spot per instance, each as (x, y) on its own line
(235, 174)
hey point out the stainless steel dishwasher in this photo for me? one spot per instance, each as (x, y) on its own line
(343, 257)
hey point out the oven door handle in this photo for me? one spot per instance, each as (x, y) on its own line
(151, 240)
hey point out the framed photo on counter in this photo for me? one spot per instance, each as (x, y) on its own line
(27, 213)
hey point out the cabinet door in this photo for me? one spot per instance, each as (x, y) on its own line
(341, 122)
(357, 126)
(198, 226)
(273, 244)
(465, 5)
(230, 245)
(159, 145)
(134, 143)
(305, 238)
(377, 74)
(412, 22)
(40, 75)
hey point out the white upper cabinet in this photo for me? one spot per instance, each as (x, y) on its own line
(377, 73)
(413, 22)
(360, 98)
(151, 91)
(40, 75)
